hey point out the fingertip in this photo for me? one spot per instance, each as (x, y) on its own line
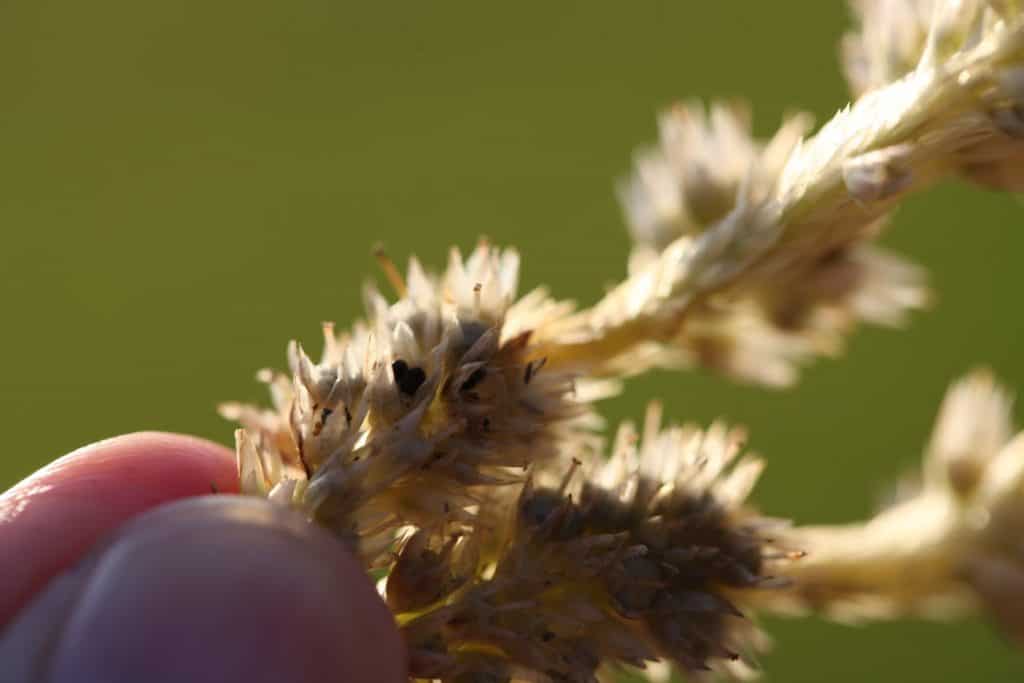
(148, 460)
(51, 518)
(228, 589)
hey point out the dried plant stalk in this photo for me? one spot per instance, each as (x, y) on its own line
(451, 438)
(953, 546)
(757, 264)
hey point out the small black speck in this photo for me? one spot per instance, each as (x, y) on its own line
(532, 368)
(408, 379)
(547, 636)
(213, 488)
(474, 378)
(833, 256)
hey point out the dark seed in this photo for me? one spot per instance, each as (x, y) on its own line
(532, 368)
(833, 256)
(539, 506)
(474, 378)
(408, 379)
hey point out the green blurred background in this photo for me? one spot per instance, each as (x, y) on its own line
(186, 185)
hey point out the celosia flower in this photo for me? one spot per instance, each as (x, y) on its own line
(437, 394)
(649, 557)
(898, 36)
(694, 177)
(957, 110)
(450, 437)
(706, 169)
(952, 545)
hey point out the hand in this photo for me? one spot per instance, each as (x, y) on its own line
(104, 578)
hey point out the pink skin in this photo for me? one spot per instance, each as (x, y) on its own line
(103, 580)
(52, 518)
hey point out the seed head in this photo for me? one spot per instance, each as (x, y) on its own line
(648, 557)
(405, 417)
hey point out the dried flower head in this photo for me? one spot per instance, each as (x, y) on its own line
(951, 545)
(898, 37)
(694, 178)
(645, 558)
(787, 271)
(403, 418)
(705, 167)
(889, 42)
(450, 436)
